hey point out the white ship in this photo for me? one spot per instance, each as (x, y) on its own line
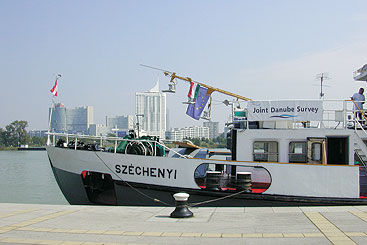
(280, 153)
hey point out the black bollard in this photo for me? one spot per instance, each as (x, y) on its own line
(244, 181)
(181, 210)
(213, 180)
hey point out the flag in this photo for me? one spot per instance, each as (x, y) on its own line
(54, 89)
(191, 94)
(196, 91)
(195, 110)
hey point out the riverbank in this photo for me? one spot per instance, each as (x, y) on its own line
(8, 148)
(30, 148)
(59, 224)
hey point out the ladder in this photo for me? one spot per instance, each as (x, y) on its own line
(360, 150)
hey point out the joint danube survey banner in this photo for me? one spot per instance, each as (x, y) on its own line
(296, 110)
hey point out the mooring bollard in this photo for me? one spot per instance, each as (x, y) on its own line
(213, 180)
(244, 181)
(181, 210)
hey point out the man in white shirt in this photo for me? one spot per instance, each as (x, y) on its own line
(358, 99)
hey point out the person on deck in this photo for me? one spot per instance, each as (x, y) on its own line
(358, 100)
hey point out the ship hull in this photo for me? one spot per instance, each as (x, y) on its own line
(118, 192)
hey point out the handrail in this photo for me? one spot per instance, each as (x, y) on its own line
(360, 110)
(364, 131)
(115, 139)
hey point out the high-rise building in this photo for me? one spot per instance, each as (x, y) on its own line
(75, 121)
(58, 118)
(120, 122)
(151, 111)
(213, 129)
(79, 119)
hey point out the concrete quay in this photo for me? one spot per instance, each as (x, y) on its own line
(54, 224)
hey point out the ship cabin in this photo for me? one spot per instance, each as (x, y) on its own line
(302, 131)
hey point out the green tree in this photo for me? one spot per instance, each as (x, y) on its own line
(15, 134)
(219, 142)
(2, 137)
(38, 141)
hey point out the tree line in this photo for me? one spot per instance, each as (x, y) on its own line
(218, 142)
(15, 135)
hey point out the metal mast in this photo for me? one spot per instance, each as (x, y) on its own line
(322, 76)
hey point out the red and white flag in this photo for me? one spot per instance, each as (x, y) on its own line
(54, 89)
(191, 94)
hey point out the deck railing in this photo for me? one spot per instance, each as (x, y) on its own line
(103, 140)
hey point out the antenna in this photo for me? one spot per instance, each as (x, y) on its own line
(322, 76)
(155, 68)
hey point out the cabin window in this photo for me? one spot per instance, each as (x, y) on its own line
(298, 151)
(316, 152)
(266, 151)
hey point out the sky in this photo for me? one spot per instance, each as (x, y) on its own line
(263, 50)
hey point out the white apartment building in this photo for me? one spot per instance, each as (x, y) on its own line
(151, 111)
(178, 134)
(213, 129)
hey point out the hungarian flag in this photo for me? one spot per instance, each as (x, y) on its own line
(193, 94)
(54, 89)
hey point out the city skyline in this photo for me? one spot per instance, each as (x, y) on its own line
(262, 50)
(80, 120)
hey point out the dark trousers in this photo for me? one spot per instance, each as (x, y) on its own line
(359, 116)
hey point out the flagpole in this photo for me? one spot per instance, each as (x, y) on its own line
(52, 109)
(49, 120)
(210, 88)
(187, 79)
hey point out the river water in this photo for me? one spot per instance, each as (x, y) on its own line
(26, 177)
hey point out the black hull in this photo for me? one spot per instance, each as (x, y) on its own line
(122, 193)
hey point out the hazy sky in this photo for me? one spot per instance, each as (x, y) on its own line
(259, 49)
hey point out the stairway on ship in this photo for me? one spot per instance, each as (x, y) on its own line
(360, 151)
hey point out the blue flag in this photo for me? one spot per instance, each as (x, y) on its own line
(195, 110)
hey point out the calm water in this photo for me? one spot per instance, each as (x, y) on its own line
(26, 177)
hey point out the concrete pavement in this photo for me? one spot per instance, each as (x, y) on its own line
(54, 224)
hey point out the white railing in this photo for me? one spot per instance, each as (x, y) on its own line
(104, 139)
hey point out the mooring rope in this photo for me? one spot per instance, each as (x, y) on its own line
(216, 199)
(157, 200)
